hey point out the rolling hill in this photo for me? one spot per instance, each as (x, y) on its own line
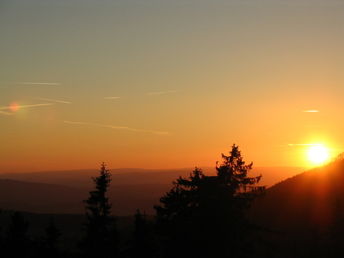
(63, 191)
(59, 199)
(314, 198)
(293, 213)
(130, 176)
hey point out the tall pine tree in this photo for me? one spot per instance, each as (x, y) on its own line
(17, 242)
(143, 244)
(101, 235)
(52, 235)
(48, 244)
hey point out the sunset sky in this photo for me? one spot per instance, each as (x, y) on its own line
(168, 83)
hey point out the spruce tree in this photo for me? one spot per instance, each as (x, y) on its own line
(52, 235)
(1, 236)
(101, 236)
(204, 216)
(143, 237)
(17, 242)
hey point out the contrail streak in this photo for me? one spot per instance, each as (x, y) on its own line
(311, 111)
(40, 83)
(118, 127)
(55, 100)
(5, 113)
(112, 97)
(26, 106)
(154, 93)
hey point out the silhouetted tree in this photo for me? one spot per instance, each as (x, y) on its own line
(143, 237)
(140, 230)
(17, 243)
(204, 216)
(336, 231)
(1, 236)
(49, 244)
(101, 234)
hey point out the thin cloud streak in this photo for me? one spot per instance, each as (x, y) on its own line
(126, 128)
(26, 106)
(5, 113)
(55, 100)
(156, 93)
(40, 83)
(311, 111)
(110, 98)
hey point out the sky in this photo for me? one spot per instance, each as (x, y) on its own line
(168, 83)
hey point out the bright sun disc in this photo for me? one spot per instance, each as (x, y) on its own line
(318, 154)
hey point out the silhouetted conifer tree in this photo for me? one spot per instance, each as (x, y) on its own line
(49, 243)
(17, 243)
(336, 231)
(1, 237)
(204, 216)
(101, 234)
(143, 238)
(140, 225)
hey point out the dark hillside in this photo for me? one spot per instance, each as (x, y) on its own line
(303, 215)
(50, 198)
(311, 198)
(70, 226)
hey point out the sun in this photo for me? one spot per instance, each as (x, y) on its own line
(318, 154)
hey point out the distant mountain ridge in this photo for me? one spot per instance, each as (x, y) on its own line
(39, 197)
(60, 199)
(63, 191)
(81, 178)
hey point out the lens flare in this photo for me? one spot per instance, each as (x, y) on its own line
(14, 107)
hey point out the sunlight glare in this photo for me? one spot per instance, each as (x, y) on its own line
(318, 154)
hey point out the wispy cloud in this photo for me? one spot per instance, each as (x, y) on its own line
(112, 98)
(116, 127)
(155, 93)
(27, 84)
(18, 107)
(39, 83)
(311, 111)
(55, 100)
(35, 105)
(5, 113)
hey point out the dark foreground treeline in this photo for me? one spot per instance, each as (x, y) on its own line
(201, 216)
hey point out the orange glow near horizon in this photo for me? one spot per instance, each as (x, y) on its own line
(174, 90)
